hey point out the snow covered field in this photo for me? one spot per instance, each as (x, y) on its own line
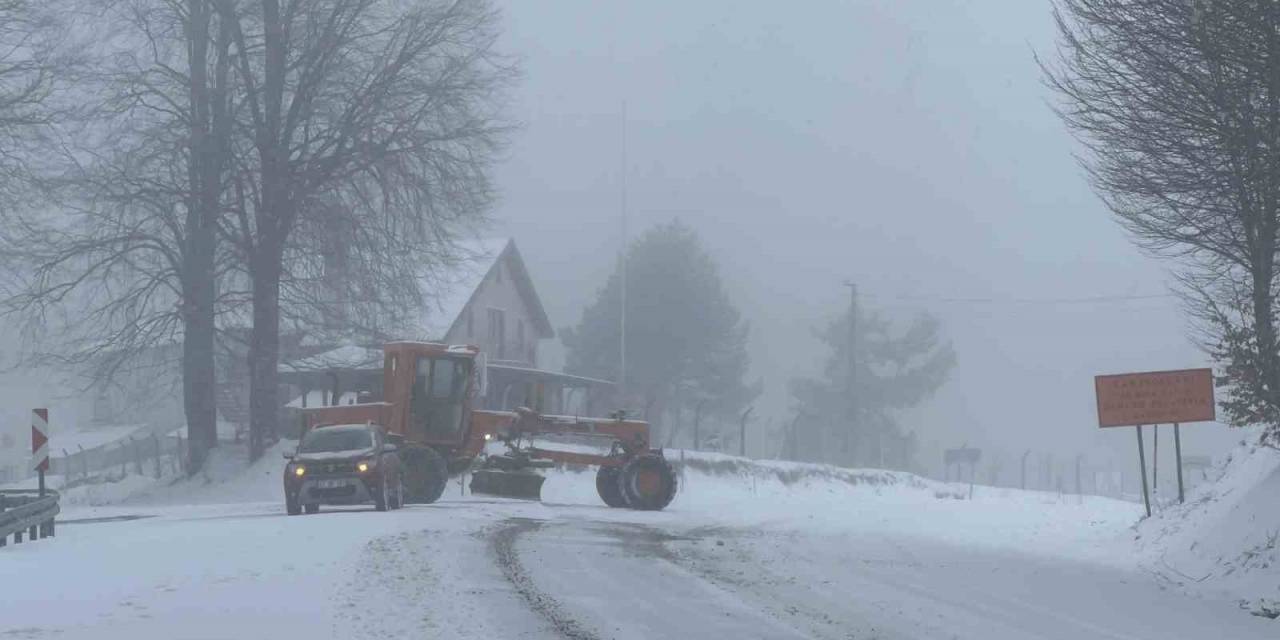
(767, 550)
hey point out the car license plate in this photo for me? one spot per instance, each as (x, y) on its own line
(331, 484)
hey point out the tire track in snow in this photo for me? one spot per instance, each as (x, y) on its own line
(504, 550)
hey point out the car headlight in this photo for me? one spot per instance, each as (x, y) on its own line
(488, 436)
(364, 465)
(299, 471)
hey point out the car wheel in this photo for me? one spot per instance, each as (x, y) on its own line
(291, 505)
(311, 508)
(382, 498)
(399, 492)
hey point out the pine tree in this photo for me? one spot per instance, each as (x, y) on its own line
(686, 341)
(895, 371)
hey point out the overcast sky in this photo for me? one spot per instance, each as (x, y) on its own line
(907, 145)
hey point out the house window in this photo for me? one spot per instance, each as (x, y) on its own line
(497, 332)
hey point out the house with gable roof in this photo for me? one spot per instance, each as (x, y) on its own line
(488, 300)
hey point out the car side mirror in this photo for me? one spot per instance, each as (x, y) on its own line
(288, 455)
(390, 447)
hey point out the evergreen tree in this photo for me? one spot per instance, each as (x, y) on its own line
(893, 371)
(686, 342)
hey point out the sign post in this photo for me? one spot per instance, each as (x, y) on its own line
(40, 443)
(1154, 398)
(1177, 452)
(1142, 470)
(957, 457)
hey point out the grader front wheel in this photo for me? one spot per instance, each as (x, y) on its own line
(425, 475)
(607, 487)
(647, 482)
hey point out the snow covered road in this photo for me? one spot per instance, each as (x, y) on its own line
(473, 568)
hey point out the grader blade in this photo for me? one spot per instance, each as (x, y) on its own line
(522, 485)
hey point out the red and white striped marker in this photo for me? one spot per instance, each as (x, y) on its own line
(40, 439)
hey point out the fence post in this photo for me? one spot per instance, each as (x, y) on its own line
(137, 455)
(182, 454)
(155, 448)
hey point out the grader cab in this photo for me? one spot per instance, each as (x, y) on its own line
(428, 398)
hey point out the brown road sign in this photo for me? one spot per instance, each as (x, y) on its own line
(1155, 397)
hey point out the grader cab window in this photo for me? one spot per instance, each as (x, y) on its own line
(439, 392)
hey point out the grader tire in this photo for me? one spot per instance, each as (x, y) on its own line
(425, 475)
(647, 482)
(608, 488)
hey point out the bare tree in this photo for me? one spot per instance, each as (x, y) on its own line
(29, 67)
(121, 265)
(1178, 105)
(375, 119)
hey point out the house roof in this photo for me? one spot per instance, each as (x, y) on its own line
(345, 357)
(447, 292)
(448, 296)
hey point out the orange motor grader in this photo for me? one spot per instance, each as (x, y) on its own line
(426, 407)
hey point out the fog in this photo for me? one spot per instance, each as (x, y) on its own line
(908, 146)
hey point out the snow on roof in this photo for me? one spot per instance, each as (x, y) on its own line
(448, 293)
(346, 357)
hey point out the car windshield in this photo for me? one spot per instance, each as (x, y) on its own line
(326, 440)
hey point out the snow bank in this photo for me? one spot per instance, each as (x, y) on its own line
(1226, 538)
(226, 478)
(738, 492)
(822, 499)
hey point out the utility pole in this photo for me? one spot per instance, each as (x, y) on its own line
(622, 266)
(742, 432)
(852, 370)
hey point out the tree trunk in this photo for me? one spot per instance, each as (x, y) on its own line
(198, 374)
(199, 379)
(264, 351)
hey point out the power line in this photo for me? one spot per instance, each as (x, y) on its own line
(1023, 301)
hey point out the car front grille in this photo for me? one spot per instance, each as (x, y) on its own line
(332, 467)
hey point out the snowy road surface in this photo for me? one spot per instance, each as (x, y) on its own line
(478, 568)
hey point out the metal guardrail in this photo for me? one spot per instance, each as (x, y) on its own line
(27, 512)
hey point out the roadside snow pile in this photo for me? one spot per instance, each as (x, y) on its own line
(1226, 538)
(823, 499)
(226, 478)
